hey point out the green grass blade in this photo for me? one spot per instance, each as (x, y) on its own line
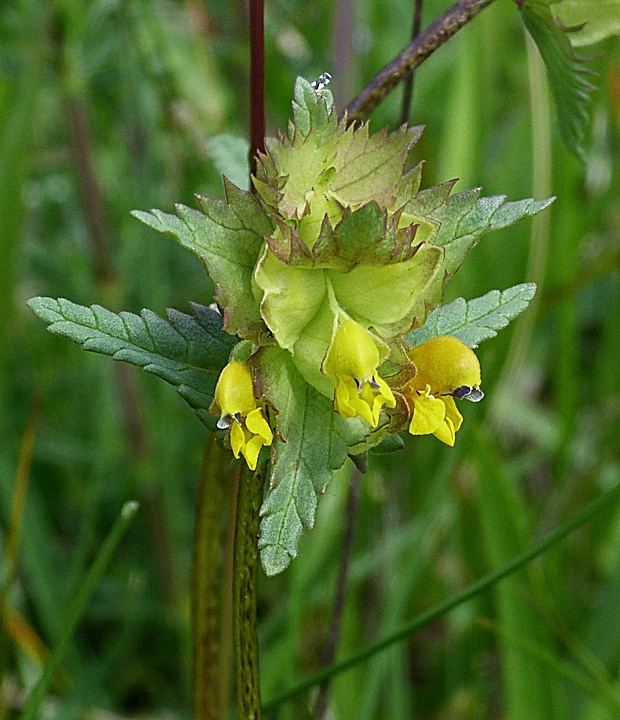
(579, 519)
(77, 608)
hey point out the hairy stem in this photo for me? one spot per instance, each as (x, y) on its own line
(209, 703)
(418, 50)
(245, 634)
(341, 588)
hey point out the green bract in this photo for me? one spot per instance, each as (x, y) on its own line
(327, 274)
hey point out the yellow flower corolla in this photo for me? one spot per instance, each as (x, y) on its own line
(446, 369)
(240, 411)
(351, 363)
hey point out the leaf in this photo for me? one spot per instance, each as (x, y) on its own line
(567, 73)
(600, 19)
(369, 167)
(231, 157)
(228, 236)
(312, 110)
(464, 217)
(188, 351)
(476, 320)
(314, 442)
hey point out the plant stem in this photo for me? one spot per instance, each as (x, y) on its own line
(257, 80)
(209, 703)
(418, 50)
(408, 84)
(245, 634)
(341, 588)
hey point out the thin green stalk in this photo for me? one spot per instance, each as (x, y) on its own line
(430, 616)
(77, 608)
(209, 703)
(245, 634)
(540, 108)
(341, 587)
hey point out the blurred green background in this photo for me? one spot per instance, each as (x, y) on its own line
(112, 105)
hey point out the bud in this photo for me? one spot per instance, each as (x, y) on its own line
(240, 411)
(351, 362)
(446, 369)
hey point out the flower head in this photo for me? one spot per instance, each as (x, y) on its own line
(239, 410)
(351, 363)
(446, 369)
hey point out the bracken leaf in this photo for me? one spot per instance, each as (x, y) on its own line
(187, 351)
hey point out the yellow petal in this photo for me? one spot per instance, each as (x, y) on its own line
(445, 363)
(234, 392)
(428, 415)
(251, 451)
(452, 412)
(237, 438)
(258, 425)
(446, 432)
(353, 352)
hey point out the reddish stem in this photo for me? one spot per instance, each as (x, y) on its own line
(257, 80)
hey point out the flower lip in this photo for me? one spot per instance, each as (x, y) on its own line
(468, 392)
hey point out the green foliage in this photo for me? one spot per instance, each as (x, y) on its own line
(187, 351)
(228, 237)
(146, 73)
(596, 19)
(475, 320)
(567, 73)
(314, 442)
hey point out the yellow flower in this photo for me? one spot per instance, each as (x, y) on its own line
(240, 411)
(446, 369)
(351, 362)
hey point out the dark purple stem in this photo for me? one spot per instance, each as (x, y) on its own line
(257, 80)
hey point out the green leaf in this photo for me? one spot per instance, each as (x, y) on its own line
(228, 236)
(476, 320)
(567, 73)
(188, 352)
(461, 219)
(314, 442)
(231, 157)
(369, 167)
(600, 19)
(312, 110)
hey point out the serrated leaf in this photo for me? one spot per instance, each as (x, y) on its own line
(188, 351)
(476, 320)
(465, 217)
(566, 70)
(600, 19)
(314, 442)
(228, 236)
(313, 109)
